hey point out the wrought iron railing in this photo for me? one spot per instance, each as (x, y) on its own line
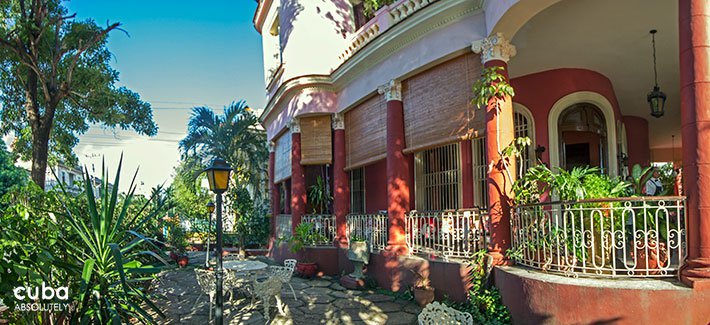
(371, 227)
(323, 224)
(283, 225)
(445, 234)
(625, 237)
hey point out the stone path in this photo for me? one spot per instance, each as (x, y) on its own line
(320, 301)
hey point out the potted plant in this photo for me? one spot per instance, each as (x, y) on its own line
(319, 196)
(358, 254)
(359, 248)
(423, 291)
(303, 236)
(177, 241)
(183, 260)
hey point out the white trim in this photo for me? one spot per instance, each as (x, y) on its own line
(583, 97)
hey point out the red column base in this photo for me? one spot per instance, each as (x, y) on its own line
(499, 259)
(341, 242)
(396, 250)
(696, 273)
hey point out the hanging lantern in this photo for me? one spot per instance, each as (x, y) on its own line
(656, 98)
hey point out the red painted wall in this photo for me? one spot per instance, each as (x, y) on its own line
(376, 187)
(450, 280)
(536, 301)
(637, 138)
(539, 91)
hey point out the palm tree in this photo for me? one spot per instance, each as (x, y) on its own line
(234, 137)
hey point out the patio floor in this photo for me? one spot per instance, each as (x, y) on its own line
(320, 301)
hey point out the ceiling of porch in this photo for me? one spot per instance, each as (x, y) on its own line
(610, 37)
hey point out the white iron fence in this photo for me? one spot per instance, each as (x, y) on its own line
(626, 237)
(445, 234)
(283, 225)
(371, 227)
(323, 224)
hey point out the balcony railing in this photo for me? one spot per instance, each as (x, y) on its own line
(371, 227)
(323, 224)
(447, 234)
(385, 18)
(283, 225)
(628, 237)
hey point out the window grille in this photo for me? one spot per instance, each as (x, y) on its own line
(438, 178)
(357, 190)
(480, 173)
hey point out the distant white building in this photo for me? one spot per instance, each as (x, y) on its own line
(72, 178)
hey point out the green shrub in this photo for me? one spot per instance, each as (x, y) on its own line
(484, 301)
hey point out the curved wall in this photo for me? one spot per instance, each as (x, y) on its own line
(540, 91)
(539, 298)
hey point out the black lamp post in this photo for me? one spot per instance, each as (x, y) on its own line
(218, 177)
(210, 209)
(656, 98)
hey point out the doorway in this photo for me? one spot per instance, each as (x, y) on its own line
(583, 138)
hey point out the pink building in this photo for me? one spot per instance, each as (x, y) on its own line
(379, 108)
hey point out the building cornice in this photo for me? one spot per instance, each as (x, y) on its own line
(405, 32)
(262, 10)
(293, 84)
(435, 16)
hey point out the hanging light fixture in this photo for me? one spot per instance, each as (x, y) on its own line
(656, 98)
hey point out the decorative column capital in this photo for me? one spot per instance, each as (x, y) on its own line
(392, 90)
(495, 47)
(272, 147)
(294, 125)
(338, 121)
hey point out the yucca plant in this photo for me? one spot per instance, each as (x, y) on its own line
(105, 255)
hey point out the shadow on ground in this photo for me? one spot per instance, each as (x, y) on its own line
(319, 301)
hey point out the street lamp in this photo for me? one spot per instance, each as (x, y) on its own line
(218, 177)
(210, 209)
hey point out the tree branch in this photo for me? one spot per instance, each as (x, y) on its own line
(70, 70)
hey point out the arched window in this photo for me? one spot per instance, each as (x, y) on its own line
(524, 127)
(523, 122)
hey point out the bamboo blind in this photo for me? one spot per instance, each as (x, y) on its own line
(316, 143)
(437, 104)
(282, 157)
(366, 132)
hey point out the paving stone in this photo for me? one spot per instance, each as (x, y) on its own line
(349, 303)
(316, 309)
(337, 286)
(378, 297)
(194, 319)
(363, 301)
(319, 301)
(320, 283)
(377, 319)
(388, 306)
(412, 309)
(401, 318)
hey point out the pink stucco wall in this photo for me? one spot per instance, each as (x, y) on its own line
(303, 102)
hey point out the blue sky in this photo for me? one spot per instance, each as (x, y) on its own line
(177, 54)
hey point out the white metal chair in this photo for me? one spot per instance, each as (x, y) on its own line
(264, 290)
(206, 280)
(438, 314)
(286, 275)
